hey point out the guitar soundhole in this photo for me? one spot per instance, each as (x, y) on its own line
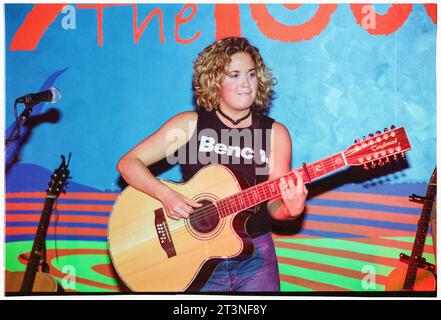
(205, 219)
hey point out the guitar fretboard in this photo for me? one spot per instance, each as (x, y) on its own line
(270, 189)
(38, 246)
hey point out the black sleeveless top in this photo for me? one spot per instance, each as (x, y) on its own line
(245, 151)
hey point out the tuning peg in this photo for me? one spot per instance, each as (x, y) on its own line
(365, 167)
(371, 135)
(373, 164)
(392, 127)
(364, 138)
(357, 141)
(403, 155)
(395, 157)
(386, 129)
(378, 132)
(380, 162)
(386, 160)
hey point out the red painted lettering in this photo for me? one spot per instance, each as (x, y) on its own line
(179, 19)
(34, 26)
(431, 11)
(99, 9)
(279, 31)
(227, 17)
(138, 32)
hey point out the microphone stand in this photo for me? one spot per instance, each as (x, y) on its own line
(19, 122)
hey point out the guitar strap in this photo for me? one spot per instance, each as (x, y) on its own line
(43, 262)
(257, 178)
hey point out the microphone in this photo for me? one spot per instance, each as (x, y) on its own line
(50, 95)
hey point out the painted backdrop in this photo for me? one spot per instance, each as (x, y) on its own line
(343, 71)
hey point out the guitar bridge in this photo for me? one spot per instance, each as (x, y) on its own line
(163, 233)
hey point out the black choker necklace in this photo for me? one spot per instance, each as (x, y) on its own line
(235, 122)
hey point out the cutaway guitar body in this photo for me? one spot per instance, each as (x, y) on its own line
(190, 248)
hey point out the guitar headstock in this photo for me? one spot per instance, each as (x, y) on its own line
(378, 149)
(59, 179)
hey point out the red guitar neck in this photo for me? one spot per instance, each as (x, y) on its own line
(270, 189)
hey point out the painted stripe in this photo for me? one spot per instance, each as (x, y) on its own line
(58, 224)
(60, 207)
(63, 201)
(61, 218)
(361, 205)
(73, 213)
(349, 283)
(58, 237)
(329, 269)
(311, 284)
(291, 287)
(357, 230)
(392, 244)
(354, 245)
(60, 231)
(339, 253)
(362, 222)
(398, 201)
(68, 195)
(341, 262)
(326, 234)
(361, 213)
(105, 269)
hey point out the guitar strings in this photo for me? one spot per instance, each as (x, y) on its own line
(224, 204)
(246, 196)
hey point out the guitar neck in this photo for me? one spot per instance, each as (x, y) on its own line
(270, 189)
(37, 252)
(420, 238)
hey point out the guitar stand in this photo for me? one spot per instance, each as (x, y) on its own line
(43, 262)
(422, 263)
(418, 198)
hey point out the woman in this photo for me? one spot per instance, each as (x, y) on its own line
(232, 88)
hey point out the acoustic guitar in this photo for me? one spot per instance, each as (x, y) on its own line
(414, 273)
(32, 280)
(153, 253)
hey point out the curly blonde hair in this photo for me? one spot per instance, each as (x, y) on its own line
(210, 69)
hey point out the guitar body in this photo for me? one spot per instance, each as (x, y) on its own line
(43, 282)
(425, 280)
(32, 280)
(199, 243)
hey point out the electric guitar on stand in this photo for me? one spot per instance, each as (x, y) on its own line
(152, 252)
(34, 280)
(417, 274)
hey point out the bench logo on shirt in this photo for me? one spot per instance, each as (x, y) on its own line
(207, 147)
(208, 144)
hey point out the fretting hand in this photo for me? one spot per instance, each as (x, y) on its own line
(293, 194)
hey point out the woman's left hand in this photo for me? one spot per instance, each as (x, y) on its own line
(293, 194)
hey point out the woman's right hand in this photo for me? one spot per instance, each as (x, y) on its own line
(177, 206)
